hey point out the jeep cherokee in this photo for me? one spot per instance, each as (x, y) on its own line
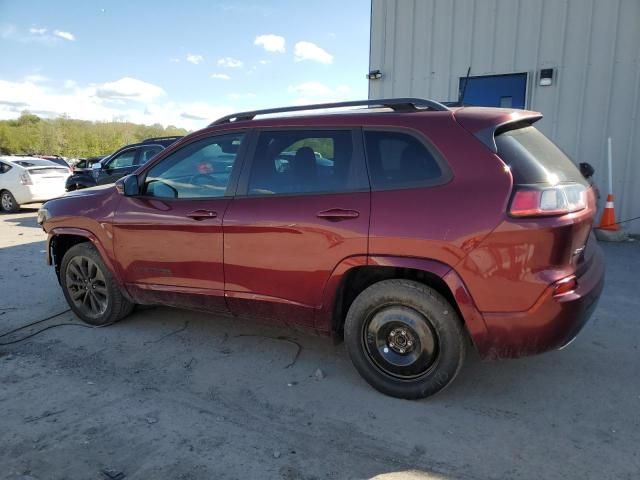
(412, 230)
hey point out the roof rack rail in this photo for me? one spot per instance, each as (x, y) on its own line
(396, 104)
(155, 139)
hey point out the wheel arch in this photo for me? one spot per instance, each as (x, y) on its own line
(60, 240)
(358, 275)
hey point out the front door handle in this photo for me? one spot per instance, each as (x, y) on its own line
(202, 214)
(336, 214)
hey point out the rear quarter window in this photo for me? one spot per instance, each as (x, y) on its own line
(401, 160)
(534, 159)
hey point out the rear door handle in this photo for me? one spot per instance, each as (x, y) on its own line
(202, 214)
(335, 214)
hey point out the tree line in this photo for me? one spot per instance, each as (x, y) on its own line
(31, 135)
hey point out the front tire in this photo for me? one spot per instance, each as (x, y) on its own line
(405, 339)
(8, 202)
(89, 287)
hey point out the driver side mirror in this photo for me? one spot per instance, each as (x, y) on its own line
(95, 169)
(128, 186)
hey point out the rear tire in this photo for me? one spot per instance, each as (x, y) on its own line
(405, 339)
(89, 287)
(8, 202)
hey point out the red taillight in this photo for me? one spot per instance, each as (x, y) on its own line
(557, 200)
(565, 286)
(25, 179)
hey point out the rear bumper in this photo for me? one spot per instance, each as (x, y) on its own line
(38, 193)
(550, 324)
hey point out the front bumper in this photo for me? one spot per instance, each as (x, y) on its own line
(551, 323)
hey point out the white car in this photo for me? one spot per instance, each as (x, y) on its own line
(29, 180)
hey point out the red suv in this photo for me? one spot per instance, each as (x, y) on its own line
(411, 229)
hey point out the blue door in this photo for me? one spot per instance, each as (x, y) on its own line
(506, 91)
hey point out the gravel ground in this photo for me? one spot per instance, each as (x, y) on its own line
(171, 394)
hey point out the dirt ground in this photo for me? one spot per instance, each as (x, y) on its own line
(171, 394)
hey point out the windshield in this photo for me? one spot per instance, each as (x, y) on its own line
(34, 162)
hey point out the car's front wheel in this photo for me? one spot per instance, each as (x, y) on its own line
(8, 202)
(405, 339)
(89, 287)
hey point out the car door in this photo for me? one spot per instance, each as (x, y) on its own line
(302, 207)
(168, 239)
(4, 177)
(147, 153)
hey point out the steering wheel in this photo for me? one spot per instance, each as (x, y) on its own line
(203, 179)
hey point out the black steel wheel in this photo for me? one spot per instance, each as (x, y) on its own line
(404, 338)
(89, 287)
(400, 341)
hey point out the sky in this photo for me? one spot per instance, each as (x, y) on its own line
(182, 63)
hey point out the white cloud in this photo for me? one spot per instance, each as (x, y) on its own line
(128, 88)
(34, 34)
(70, 84)
(115, 104)
(241, 96)
(311, 51)
(220, 76)
(36, 78)
(65, 35)
(316, 92)
(174, 60)
(270, 42)
(265, 62)
(230, 62)
(195, 59)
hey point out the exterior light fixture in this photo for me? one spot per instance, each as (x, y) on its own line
(546, 77)
(374, 75)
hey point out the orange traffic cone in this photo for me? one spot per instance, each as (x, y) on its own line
(608, 220)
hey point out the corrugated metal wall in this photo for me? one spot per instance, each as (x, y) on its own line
(423, 47)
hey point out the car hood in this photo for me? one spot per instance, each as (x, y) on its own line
(90, 192)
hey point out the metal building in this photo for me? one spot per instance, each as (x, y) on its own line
(576, 61)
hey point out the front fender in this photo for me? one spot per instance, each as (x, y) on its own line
(80, 232)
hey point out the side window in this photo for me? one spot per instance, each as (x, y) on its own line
(199, 170)
(125, 159)
(4, 168)
(305, 161)
(398, 160)
(147, 153)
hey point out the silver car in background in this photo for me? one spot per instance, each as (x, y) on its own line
(26, 180)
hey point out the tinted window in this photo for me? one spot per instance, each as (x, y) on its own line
(125, 159)
(147, 153)
(533, 158)
(200, 169)
(35, 162)
(4, 168)
(304, 161)
(399, 160)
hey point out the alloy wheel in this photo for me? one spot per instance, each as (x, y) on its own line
(7, 202)
(87, 287)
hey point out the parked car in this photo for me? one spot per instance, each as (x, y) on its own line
(118, 164)
(57, 160)
(426, 232)
(26, 180)
(85, 164)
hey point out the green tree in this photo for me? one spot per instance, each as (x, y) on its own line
(30, 134)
